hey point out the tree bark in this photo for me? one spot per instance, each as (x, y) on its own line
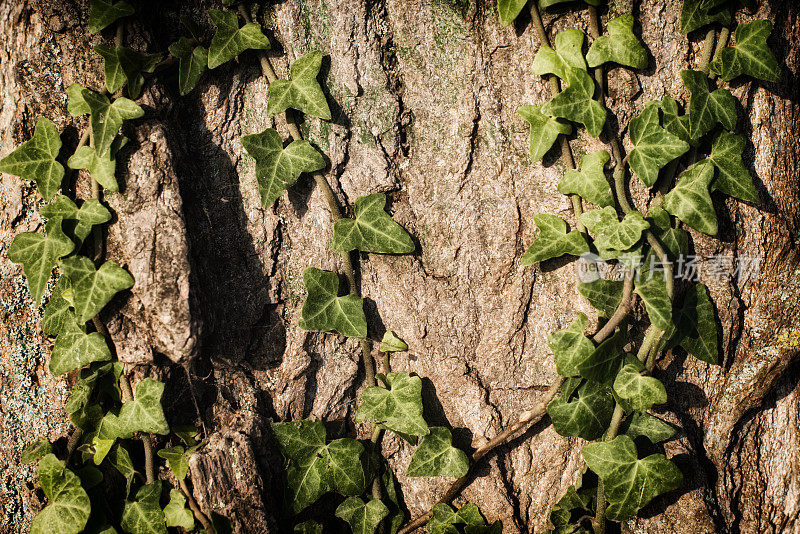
(424, 95)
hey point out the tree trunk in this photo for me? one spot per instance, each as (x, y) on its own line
(424, 95)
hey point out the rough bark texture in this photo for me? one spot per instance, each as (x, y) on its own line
(424, 95)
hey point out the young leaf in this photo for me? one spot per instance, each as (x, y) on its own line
(698, 13)
(74, 349)
(586, 416)
(397, 407)
(698, 325)
(230, 40)
(509, 10)
(544, 130)
(77, 222)
(641, 392)
(610, 232)
(653, 290)
(102, 168)
(176, 514)
(568, 55)
(323, 310)
(35, 159)
(706, 109)
(36, 451)
(176, 457)
(373, 230)
(571, 347)
(750, 56)
(144, 515)
(144, 413)
(302, 92)
(590, 182)
(619, 46)
(38, 254)
(575, 103)
(690, 200)
(554, 240)
(107, 117)
(192, 63)
(106, 12)
(436, 457)
(362, 517)
(93, 288)
(76, 105)
(732, 177)
(276, 167)
(392, 343)
(630, 483)
(654, 146)
(604, 363)
(69, 507)
(603, 295)
(123, 65)
(649, 426)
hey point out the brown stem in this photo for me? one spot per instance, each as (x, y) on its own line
(622, 311)
(198, 513)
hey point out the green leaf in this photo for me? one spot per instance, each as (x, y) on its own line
(102, 376)
(444, 518)
(144, 413)
(323, 310)
(107, 117)
(750, 56)
(276, 167)
(630, 483)
(106, 12)
(100, 448)
(640, 392)
(575, 103)
(123, 65)
(144, 515)
(568, 55)
(392, 343)
(587, 416)
(654, 146)
(36, 451)
(509, 10)
(494, 528)
(690, 200)
(698, 13)
(554, 240)
(74, 349)
(653, 290)
(177, 459)
(192, 63)
(571, 347)
(590, 182)
(302, 92)
(76, 105)
(544, 130)
(308, 527)
(102, 168)
(610, 232)
(93, 288)
(362, 517)
(230, 40)
(436, 456)
(38, 254)
(603, 295)
(397, 407)
(675, 123)
(121, 460)
(706, 109)
(649, 426)
(77, 222)
(619, 46)
(732, 177)
(176, 513)
(698, 325)
(69, 506)
(604, 363)
(396, 514)
(35, 159)
(373, 230)
(90, 477)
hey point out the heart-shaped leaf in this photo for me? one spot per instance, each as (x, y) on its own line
(230, 40)
(276, 167)
(324, 310)
(176, 514)
(144, 515)
(544, 130)
(69, 506)
(74, 349)
(587, 415)
(575, 103)
(123, 65)
(192, 63)
(178, 461)
(706, 109)
(554, 240)
(690, 200)
(698, 325)
(732, 177)
(570, 346)
(107, 117)
(93, 288)
(36, 451)
(397, 407)
(77, 222)
(639, 391)
(436, 456)
(698, 13)
(102, 168)
(392, 343)
(106, 12)
(567, 55)
(302, 92)
(604, 363)
(603, 295)
(750, 56)
(373, 230)
(362, 517)
(610, 232)
(509, 10)
(654, 146)
(35, 159)
(619, 46)
(144, 413)
(649, 426)
(38, 254)
(590, 182)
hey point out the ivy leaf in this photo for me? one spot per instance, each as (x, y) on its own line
(675, 123)
(603, 295)
(544, 130)
(230, 40)
(38, 254)
(192, 63)
(568, 55)
(586, 416)
(571, 347)
(36, 451)
(707, 108)
(396, 514)
(76, 105)
(323, 310)
(509, 10)
(302, 92)
(144, 515)
(107, 117)
(144, 413)
(177, 458)
(610, 232)
(176, 514)
(74, 349)
(654, 146)
(436, 456)
(121, 461)
(698, 325)
(630, 483)
(690, 200)
(106, 12)
(78, 222)
(392, 343)
(102, 168)
(373, 230)
(590, 182)
(641, 392)
(750, 56)
(35, 159)
(308, 527)
(732, 177)
(650, 427)
(93, 288)
(123, 65)
(276, 167)
(69, 507)
(102, 376)
(698, 13)
(397, 407)
(604, 363)
(444, 518)
(575, 103)
(619, 46)
(362, 517)
(553, 240)
(653, 290)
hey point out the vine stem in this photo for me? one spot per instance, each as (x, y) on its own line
(722, 42)
(708, 50)
(193, 506)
